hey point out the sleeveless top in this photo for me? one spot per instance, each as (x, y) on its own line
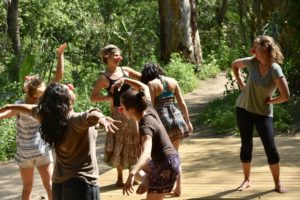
(30, 145)
(117, 94)
(169, 114)
(165, 93)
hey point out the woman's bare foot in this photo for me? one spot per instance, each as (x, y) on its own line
(143, 187)
(174, 193)
(246, 184)
(280, 189)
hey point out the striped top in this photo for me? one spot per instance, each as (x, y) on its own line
(28, 138)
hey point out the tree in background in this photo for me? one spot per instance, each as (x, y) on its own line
(179, 30)
(13, 34)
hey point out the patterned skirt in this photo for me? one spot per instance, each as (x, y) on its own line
(172, 119)
(122, 148)
(163, 174)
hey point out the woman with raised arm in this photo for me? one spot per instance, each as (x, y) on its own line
(31, 149)
(159, 158)
(254, 106)
(122, 149)
(73, 137)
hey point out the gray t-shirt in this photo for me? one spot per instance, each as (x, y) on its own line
(258, 88)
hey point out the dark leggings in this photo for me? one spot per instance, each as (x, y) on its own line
(75, 189)
(264, 126)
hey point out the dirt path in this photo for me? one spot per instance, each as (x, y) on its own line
(10, 182)
(207, 90)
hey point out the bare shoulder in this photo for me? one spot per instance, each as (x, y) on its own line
(102, 80)
(172, 83)
(127, 69)
(154, 82)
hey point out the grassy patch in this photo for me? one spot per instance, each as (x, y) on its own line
(219, 115)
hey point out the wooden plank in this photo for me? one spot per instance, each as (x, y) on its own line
(211, 170)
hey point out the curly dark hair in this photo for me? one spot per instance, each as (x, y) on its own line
(53, 111)
(151, 71)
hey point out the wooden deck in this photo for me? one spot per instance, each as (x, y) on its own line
(211, 170)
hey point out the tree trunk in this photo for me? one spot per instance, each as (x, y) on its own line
(243, 28)
(221, 12)
(13, 26)
(179, 32)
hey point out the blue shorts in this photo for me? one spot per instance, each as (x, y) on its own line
(163, 175)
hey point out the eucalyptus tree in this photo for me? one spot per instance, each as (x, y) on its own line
(12, 24)
(179, 30)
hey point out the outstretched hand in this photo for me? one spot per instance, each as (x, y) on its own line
(109, 124)
(118, 84)
(61, 48)
(128, 186)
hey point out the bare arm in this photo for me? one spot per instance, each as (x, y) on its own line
(97, 117)
(183, 107)
(133, 83)
(11, 110)
(145, 156)
(284, 93)
(60, 63)
(132, 73)
(152, 92)
(236, 66)
(101, 84)
(4, 114)
(141, 163)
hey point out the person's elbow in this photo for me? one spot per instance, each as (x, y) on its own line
(93, 98)
(234, 65)
(286, 96)
(93, 118)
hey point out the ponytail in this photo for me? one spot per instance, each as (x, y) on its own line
(133, 99)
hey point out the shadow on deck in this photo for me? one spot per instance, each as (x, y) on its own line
(211, 171)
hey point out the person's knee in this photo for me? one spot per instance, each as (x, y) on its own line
(246, 154)
(273, 159)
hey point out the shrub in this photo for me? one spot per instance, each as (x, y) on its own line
(219, 115)
(7, 139)
(183, 72)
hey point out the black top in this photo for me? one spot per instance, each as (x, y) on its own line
(116, 95)
(151, 125)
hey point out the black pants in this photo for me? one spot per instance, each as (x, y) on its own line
(264, 126)
(75, 189)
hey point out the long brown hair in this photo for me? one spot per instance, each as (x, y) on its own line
(274, 50)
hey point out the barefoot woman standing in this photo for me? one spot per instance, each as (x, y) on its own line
(254, 106)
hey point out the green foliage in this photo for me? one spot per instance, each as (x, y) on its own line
(9, 93)
(26, 67)
(210, 67)
(183, 72)
(7, 139)
(219, 115)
